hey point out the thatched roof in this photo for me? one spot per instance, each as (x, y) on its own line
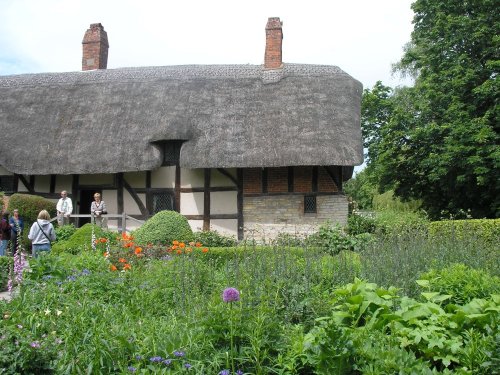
(108, 121)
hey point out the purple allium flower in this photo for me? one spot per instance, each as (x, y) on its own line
(187, 365)
(156, 359)
(224, 372)
(167, 362)
(131, 368)
(179, 354)
(35, 344)
(230, 295)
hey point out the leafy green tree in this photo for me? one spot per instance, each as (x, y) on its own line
(441, 141)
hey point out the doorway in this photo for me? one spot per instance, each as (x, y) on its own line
(86, 199)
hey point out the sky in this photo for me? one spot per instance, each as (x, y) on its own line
(362, 37)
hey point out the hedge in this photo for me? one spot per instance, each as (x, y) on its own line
(485, 230)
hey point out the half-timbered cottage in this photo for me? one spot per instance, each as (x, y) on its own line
(234, 148)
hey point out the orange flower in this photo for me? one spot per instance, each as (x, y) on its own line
(191, 243)
(175, 242)
(96, 241)
(127, 266)
(106, 254)
(205, 250)
(122, 260)
(103, 240)
(182, 245)
(138, 250)
(179, 251)
(198, 244)
(113, 267)
(188, 249)
(128, 244)
(174, 247)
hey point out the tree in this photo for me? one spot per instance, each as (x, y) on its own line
(441, 141)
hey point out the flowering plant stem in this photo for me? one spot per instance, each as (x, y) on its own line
(231, 334)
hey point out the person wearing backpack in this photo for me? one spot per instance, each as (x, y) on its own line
(41, 234)
(4, 233)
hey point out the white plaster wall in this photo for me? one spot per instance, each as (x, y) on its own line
(225, 226)
(129, 204)
(217, 179)
(223, 202)
(5, 172)
(21, 188)
(110, 198)
(192, 178)
(192, 203)
(42, 184)
(135, 179)
(196, 225)
(64, 182)
(96, 179)
(163, 177)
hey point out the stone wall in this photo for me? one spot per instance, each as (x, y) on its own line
(266, 216)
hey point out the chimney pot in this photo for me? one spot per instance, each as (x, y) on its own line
(95, 48)
(274, 36)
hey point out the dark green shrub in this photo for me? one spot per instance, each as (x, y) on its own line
(213, 238)
(461, 282)
(163, 228)
(29, 207)
(64, 232)
(6, 263)
(332, 239)
(289, 239)
(357, 224)
(81, 240)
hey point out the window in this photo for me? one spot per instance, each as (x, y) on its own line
(161, 202)
(309, 204)
(7, 184)
(171, 152)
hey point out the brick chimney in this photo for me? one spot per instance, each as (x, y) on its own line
(95, 48)
(274, 37)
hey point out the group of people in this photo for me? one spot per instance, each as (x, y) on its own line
(10, 231)
(42, 232)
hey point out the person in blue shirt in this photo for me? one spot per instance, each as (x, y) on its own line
(17, 227)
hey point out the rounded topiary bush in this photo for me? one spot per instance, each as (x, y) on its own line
(79, 241)
(163, 228)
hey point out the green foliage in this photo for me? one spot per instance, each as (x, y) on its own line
(1, 200)
(461, 282)
(6, 263)
(213, 238)
(389, 221)
(388, 202)
(64, 232)
(29, 207)
(163, 228)
(441, 142)
(80, 240)
(484, 230)
(332, 239)
(361, 189)
(358, 224)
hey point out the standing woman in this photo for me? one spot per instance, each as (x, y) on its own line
(4, 233)
(42, 233)
(17, 226)
(98, 209)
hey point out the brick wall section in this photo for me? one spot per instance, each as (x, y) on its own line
(95, 48)
(325, 183)
(252, 181)
(267, 216)
(277, 180)
(274, 36)
(302, 179)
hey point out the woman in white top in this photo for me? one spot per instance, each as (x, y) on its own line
(98, 209)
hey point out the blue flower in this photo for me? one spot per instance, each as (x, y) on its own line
(71, 278)
(167, 362)
(131, 368)
(85, 272)
(224, 372)
(187, 365)
(156, 359)
(138, 357)
(239, 372)
(179, 354)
